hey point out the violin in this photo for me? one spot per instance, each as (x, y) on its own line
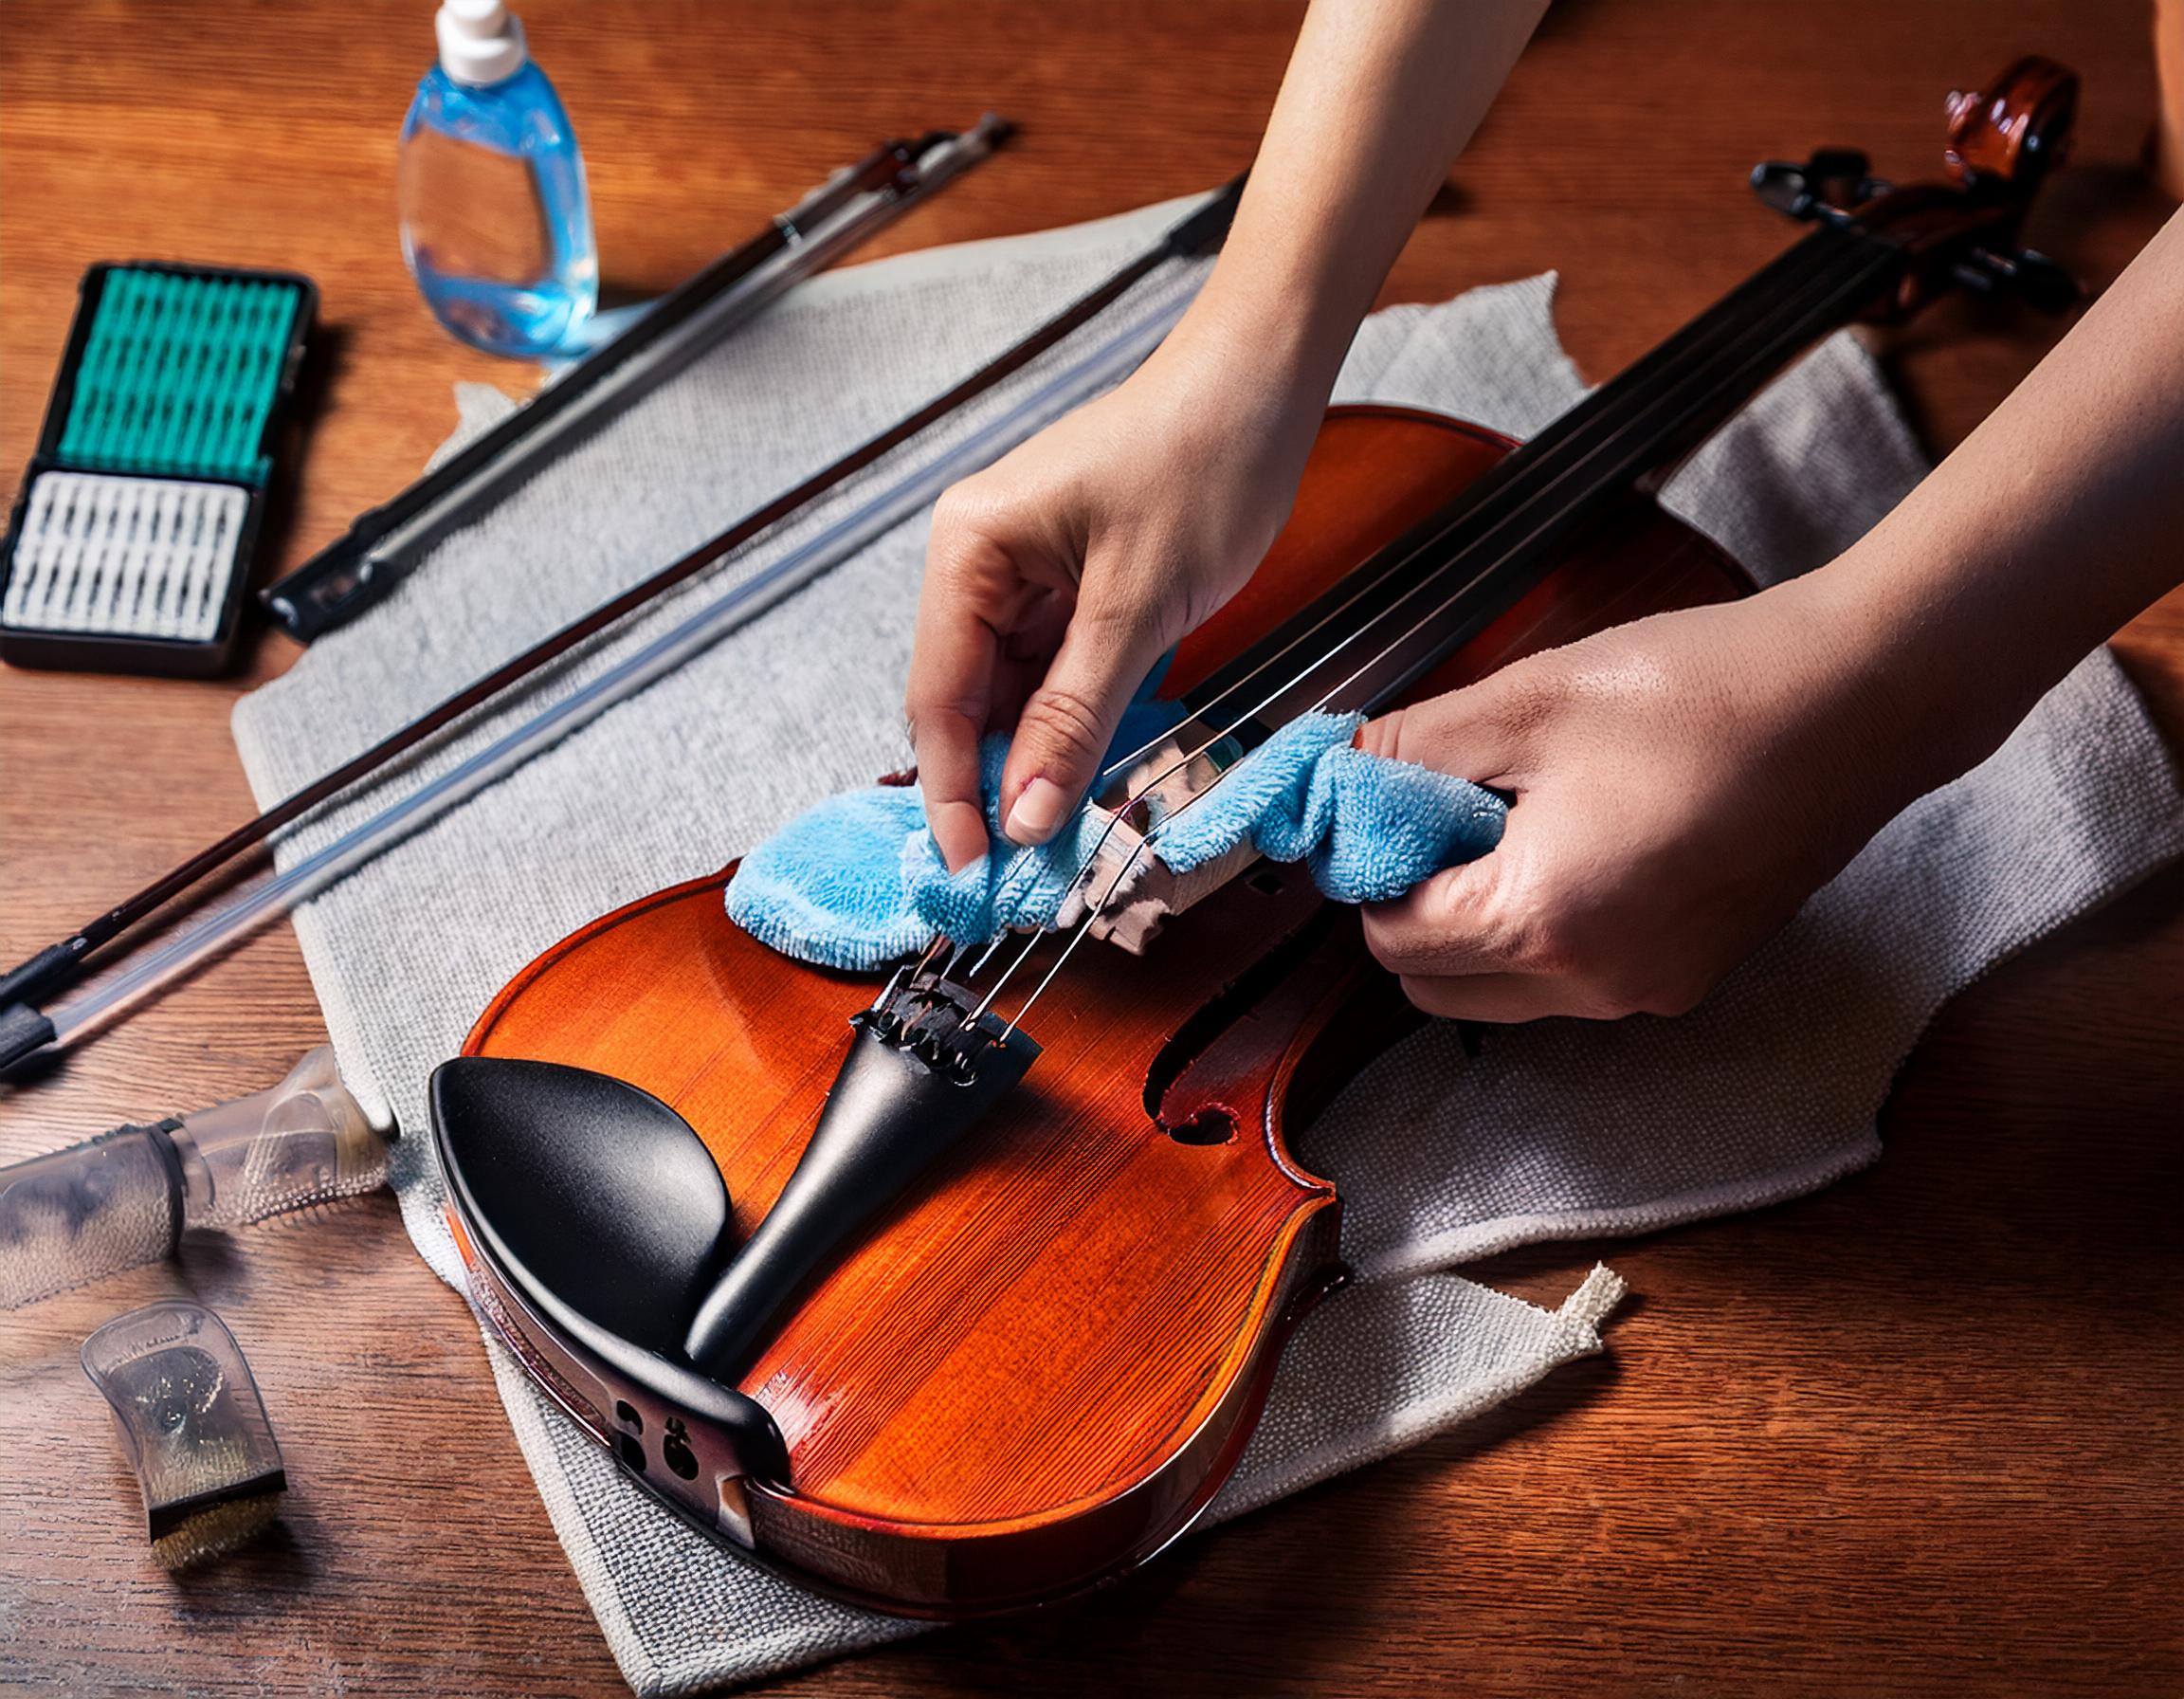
(947, 1303)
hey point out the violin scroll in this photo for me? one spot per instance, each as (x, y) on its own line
(2017, 131)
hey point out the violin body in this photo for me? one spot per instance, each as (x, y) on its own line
(1037, 1365)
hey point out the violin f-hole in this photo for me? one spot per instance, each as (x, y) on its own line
(1209, 1023)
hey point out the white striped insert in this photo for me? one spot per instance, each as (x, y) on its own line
(125, 556)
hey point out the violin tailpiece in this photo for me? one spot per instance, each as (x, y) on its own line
(924, 1066)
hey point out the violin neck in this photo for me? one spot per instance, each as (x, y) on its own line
(1397, 617)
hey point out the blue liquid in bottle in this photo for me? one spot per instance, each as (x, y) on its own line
(495, 219)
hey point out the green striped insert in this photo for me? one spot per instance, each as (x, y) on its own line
(178, 374)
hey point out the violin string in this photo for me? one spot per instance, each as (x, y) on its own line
(1440, 608)
(1008, 972)
(1703, 352)
(1700, 350)
(1826, 278)
(1856, 281)
(1760, 300)
(1828, 284)
(1076, 938)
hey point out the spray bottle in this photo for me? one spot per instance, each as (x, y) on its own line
(495, 219)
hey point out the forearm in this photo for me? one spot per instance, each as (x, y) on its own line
(2054, 522)
(1055, 579)
(1379, 97)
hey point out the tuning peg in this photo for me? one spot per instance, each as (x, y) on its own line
(2033, 278)
(1832, 179)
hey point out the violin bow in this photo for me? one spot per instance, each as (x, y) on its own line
(24, 1028)
(383, 542)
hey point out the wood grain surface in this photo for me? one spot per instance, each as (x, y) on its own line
(1920, 1433)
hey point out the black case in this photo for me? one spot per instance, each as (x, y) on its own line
(90, 651)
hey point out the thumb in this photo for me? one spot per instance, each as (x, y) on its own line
(1063, 734)
(1452, 924)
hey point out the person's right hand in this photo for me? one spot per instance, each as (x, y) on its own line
(1057, 579)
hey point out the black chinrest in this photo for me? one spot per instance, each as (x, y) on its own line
(585, 1188)
(604, 1211)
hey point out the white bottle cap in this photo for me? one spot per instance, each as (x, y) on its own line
(481, 41)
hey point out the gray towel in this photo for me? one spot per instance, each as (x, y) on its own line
(1560, 1129)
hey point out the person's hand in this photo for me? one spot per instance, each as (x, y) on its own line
(1056, 578)
(1682, 785)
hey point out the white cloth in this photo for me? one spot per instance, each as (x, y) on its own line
(1559, 1129)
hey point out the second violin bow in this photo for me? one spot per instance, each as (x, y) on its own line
(344, 577)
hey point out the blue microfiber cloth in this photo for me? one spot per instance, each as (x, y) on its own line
(857, 882)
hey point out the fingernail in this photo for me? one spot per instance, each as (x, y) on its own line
(960, 836)
(1038, 811)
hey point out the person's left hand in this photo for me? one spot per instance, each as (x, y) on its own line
(1682, 785)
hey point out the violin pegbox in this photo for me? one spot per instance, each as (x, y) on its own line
(1962, 233)
(2013, 136)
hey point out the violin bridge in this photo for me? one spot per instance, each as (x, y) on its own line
(1133, 891)
(1138, 892)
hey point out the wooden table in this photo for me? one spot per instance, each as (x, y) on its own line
(1920, 1430)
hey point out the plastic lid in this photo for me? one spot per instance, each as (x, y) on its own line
(191, 1423)
(481, 41)
(303, 1142)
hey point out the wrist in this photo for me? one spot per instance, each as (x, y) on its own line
(1916, 701)
(1254, 413)
(1269, 355)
